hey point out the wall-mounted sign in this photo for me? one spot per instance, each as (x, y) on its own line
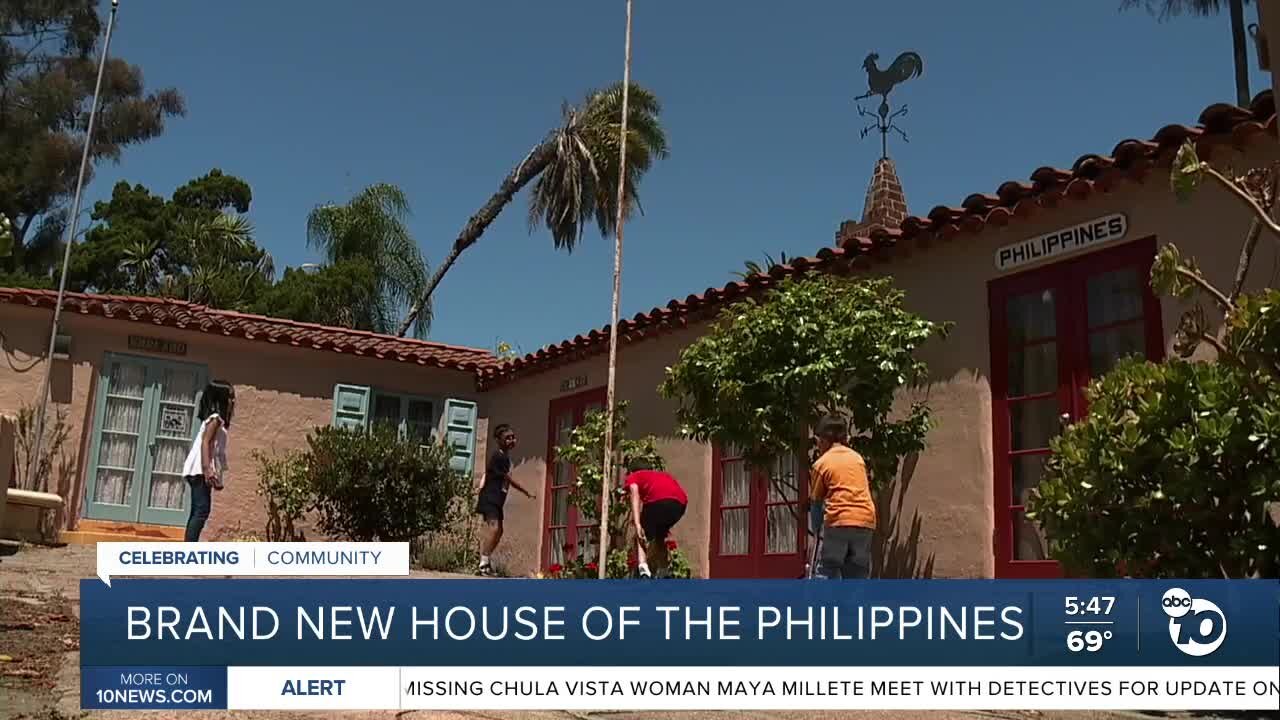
(573, 383)
(157, 345)
(1062, 242)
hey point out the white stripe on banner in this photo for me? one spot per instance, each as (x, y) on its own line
(753, 688)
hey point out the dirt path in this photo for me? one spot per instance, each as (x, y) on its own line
(39, 629)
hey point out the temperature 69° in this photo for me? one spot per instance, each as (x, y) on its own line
(1087, 640)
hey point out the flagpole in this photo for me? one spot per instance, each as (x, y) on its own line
(66, 253)
(607, 483)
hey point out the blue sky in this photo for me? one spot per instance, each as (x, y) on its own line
(310, 102)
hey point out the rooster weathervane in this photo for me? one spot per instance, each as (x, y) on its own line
(881, 82)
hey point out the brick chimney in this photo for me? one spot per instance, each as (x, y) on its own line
(885, 208)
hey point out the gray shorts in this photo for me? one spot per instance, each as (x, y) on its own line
(845, 553)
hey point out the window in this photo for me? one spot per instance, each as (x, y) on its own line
(755, 530)
(418, 418)
(413, 417)
(1053, 330)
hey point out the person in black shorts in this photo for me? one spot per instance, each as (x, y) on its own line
(493, 494)
(657, 504)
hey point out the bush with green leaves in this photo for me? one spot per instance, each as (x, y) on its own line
(1169, 475)
(372, 485)
(819, 344)
(585, 451)
(283, 483)
(1175, 470)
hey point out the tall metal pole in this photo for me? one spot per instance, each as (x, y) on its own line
(66, 253)
(607, 484)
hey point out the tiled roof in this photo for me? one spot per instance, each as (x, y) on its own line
(1129, 160)
(188, 316)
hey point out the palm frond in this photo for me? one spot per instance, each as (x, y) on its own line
(581, 181)
(372, 226)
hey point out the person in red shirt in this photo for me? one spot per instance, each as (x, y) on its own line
(657, 504)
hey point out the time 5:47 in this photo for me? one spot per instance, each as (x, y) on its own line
(1091, 606)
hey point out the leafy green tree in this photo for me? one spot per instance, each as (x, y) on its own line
(769, 369)
(48, 69)
(1165, 9)
(371, 228)
(6, 237)
(575, 174)
(344, 294)
(196, 246)
(1175, 470)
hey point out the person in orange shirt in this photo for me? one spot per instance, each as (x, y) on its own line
(839, 482)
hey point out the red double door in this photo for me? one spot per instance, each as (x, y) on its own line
(1053, 330)
(569, 533)
(755, 528)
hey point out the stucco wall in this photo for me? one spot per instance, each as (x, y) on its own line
(525, 404)
(281, 392)
(951, 489)
(939, 515)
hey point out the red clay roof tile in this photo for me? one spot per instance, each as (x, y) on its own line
(1014, 199)
(187, 316)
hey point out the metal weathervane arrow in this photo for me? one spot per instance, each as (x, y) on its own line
(881, 82)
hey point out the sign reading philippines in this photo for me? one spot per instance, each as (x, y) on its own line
(942, 644)
(1100, 231)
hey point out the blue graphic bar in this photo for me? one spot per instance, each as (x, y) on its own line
(974, 623)
(172, 687)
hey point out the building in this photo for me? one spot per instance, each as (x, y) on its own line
(1045, 282)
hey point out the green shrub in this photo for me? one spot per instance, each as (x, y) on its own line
(1168, 476)
(283, 483)
(371, 485)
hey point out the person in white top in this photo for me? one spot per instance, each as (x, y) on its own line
(206, 466)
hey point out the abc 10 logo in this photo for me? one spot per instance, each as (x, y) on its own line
(1197, 626)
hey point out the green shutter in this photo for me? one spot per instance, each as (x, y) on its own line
(351, 406)
(460, 433)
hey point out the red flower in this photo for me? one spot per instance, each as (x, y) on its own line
(592, 567)
(555, 569)
(671, 545)
(632, 562)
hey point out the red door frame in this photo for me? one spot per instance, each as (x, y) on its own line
(1069, 279)
(577, 404)
(756, 563)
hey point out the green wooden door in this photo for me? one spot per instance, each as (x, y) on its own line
(144, 422)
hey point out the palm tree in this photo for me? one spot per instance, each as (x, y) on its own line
(371, 227)
(143, 263)
(223, 265)
(1165, 9)
(577, 171)
(751, 267)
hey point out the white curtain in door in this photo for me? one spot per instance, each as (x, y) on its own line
(735, 489)
(175, 429)
(121, 426)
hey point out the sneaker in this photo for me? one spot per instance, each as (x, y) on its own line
(485, 571)
(645, 575)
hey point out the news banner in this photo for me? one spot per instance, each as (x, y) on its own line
(341, 626)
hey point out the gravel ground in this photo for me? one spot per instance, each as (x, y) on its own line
(40, 587)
